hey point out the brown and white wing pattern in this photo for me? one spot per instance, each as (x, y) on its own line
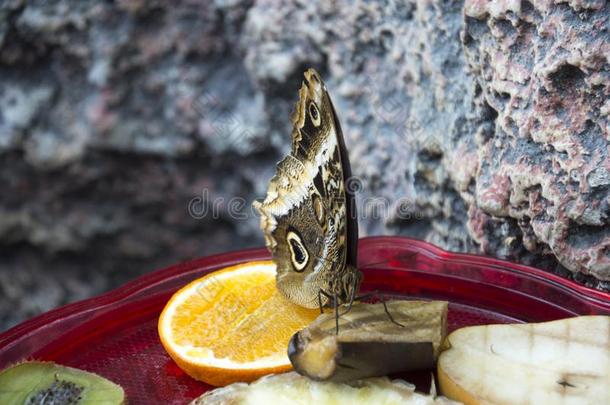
(307, 217)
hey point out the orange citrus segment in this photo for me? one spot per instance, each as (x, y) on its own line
(232, 325)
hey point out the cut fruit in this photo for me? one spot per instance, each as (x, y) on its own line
(369, 343)
(291, 388)
(232, 325)
(559, 362)
(38, 382)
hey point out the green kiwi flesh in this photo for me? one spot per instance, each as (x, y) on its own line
(46, 383)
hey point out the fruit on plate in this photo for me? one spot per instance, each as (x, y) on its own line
(369, 342)
(232, 325)
(292, 388)
(37, 382)
(559, 362)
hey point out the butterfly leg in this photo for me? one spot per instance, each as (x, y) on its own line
(336, 307)
(352, 298)
(335, 301)
(320, 301)
(369, 295)
(387, 312)
(321, 293)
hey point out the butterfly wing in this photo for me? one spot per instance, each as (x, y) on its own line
(350, 196)
(308, 218)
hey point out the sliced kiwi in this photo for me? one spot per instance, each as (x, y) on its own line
(46, 383)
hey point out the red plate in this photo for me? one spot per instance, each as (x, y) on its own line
(115, 334)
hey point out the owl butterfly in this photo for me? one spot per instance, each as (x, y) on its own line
(308, 217)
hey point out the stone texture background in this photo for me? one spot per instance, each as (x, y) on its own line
(481, 127)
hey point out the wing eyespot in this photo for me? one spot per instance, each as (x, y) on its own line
(314, 114)
(298, 253)
(318, 209)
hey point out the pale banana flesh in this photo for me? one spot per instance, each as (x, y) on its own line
(291, 388)
(369, 343)
(561, 362)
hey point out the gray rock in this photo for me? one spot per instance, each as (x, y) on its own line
(544, 70)
(135, 134)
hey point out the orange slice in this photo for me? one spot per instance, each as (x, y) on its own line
(232, 325)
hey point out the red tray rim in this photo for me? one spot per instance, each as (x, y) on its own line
(147, 281)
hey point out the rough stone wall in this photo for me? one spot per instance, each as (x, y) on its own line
(544, 172)
(120, 120)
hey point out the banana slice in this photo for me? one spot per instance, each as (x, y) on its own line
(559, 362)
(370, 343)
(292, 388)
